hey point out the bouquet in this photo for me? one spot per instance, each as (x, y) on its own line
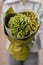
(20, 28)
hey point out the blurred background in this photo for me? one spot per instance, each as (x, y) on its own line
(3, 53)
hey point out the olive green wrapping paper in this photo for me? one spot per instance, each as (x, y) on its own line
(20, 49)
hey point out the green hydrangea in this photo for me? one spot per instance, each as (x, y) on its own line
(22, 25)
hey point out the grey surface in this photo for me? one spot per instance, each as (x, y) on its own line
(36, 44)
(33, 60)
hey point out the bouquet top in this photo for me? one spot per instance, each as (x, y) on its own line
(23, 24)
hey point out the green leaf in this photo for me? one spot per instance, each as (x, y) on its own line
(10, 10)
